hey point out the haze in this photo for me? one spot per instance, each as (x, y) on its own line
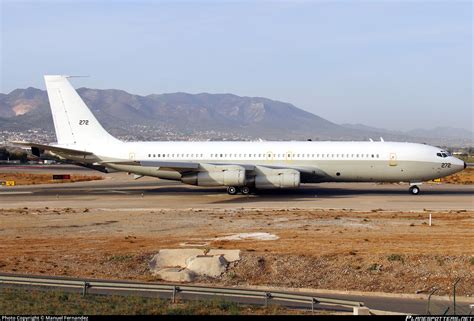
(394, 65)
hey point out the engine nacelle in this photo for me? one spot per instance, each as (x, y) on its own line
(278, 178)
(228, 176)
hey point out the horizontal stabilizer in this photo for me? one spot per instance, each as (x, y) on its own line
(54, 149)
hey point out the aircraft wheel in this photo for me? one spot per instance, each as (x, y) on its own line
(245, 190)
(414, 190)
(232, 190)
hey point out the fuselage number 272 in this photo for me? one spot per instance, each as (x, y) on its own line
(83, 122)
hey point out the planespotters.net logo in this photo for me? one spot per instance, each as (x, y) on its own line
(439, 318)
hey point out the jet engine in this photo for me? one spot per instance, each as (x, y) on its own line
(227, 176)
(278, 178)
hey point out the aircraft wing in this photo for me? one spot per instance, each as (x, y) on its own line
(164, 165)
(187, 166)
(54, 149)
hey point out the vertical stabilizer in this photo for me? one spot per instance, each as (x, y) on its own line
(74, 123)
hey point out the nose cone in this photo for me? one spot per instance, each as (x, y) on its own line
(458, 164)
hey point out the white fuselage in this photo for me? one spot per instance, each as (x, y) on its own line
(317, 161)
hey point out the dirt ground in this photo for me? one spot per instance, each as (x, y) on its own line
(32, 179)
(386, 251)
(464, 177)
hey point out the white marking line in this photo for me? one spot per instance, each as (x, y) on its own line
(110, 191)
(14, 193)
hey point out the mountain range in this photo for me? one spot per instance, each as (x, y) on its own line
(189, 114)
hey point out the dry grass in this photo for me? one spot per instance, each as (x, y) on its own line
(384, 251)
(32, 179)
(14, 301)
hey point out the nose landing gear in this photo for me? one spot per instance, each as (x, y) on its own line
(414, 190)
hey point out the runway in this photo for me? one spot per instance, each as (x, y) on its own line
(119, 190)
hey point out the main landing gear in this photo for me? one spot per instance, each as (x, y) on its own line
(414, 190)
(232, 190)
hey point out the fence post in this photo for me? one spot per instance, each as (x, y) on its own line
(313, 301)
(454, 295)
(429, 300)
(268, 296)
(175, 290)
(84, 289)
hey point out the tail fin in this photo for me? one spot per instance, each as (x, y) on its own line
(73, 121)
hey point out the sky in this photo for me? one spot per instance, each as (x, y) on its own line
(388, 64)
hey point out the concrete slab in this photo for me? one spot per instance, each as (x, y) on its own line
(173, 258)
(176, 275)
(212, 266)
(260, 236)
(229, 255)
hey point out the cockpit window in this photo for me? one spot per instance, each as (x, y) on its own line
(438, 154)
(443, 154)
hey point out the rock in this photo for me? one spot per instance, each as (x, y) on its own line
(212, 266)
(176, 275)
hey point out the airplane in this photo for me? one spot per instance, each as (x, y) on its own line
(243, 167)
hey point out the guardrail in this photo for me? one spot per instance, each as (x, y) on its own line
(173, 290)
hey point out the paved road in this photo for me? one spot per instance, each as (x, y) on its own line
(393, 304)
(119, 190)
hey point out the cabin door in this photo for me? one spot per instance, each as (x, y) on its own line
(393, 159)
